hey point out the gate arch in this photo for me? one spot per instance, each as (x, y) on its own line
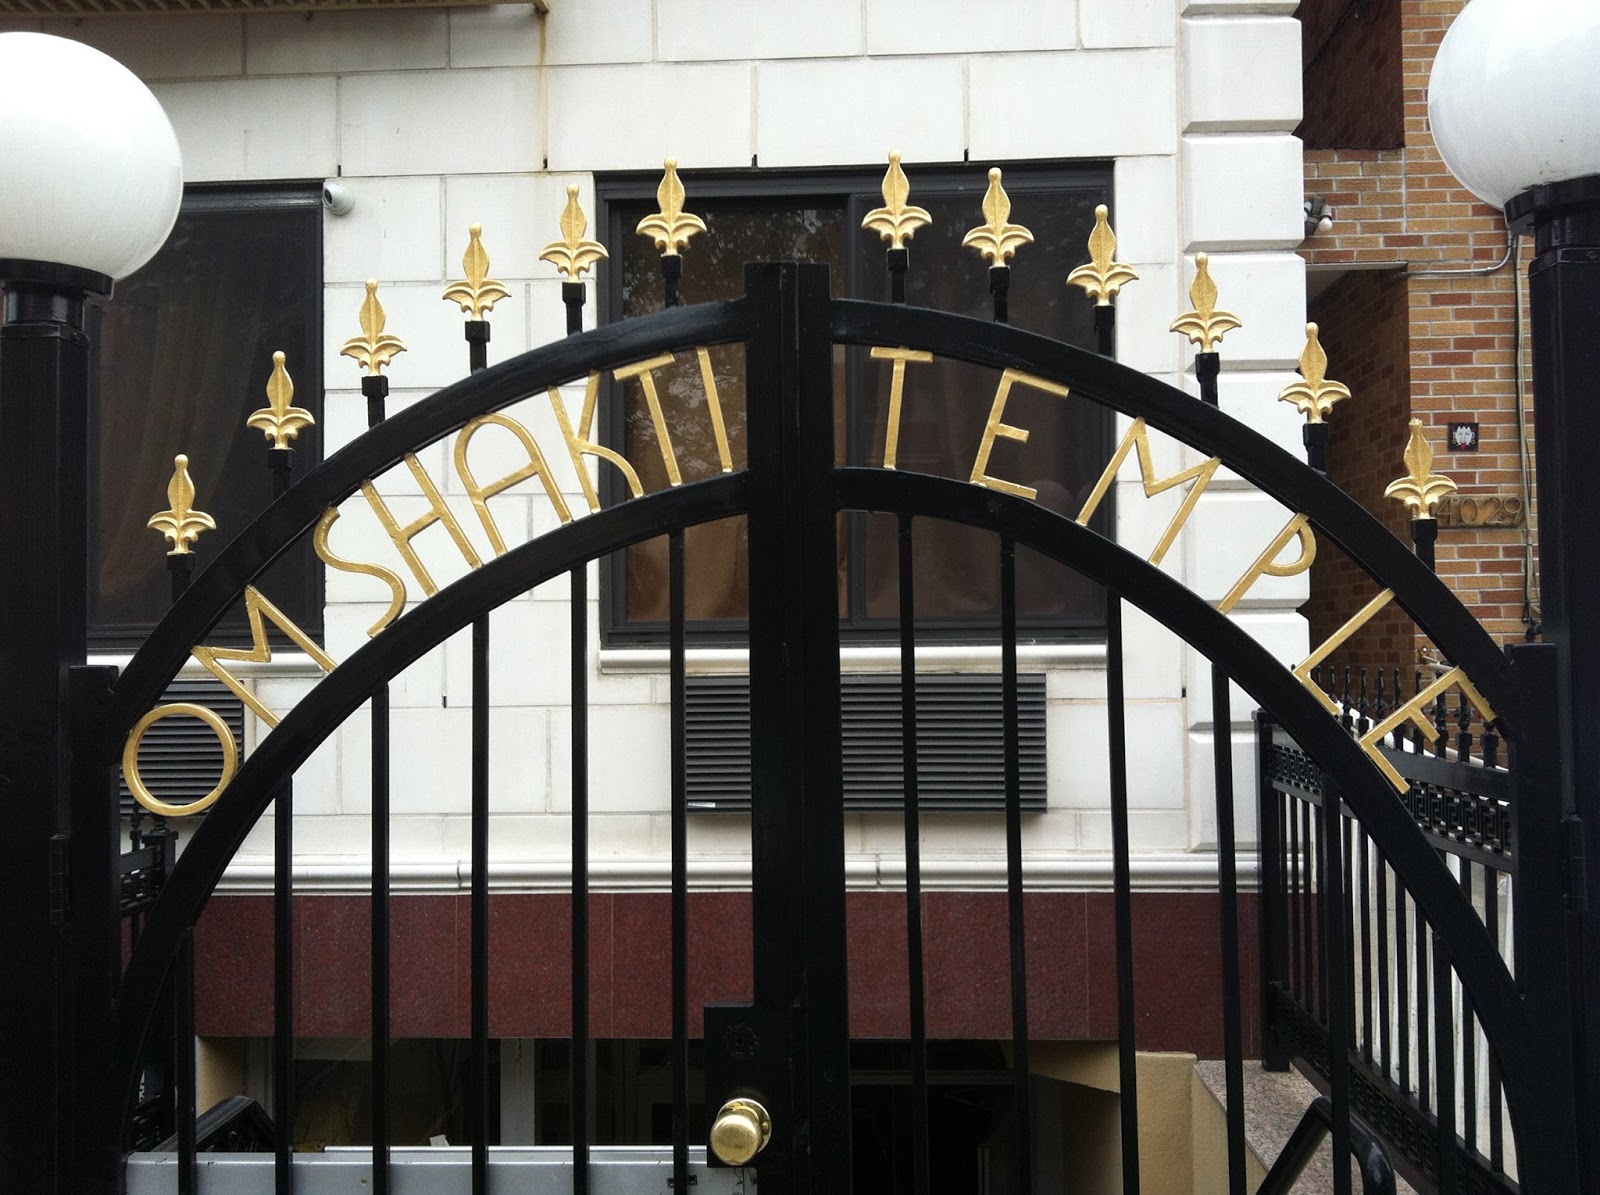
(1166, 409)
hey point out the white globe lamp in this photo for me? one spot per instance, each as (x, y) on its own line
(90, 173)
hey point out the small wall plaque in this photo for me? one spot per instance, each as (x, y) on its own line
(1462, 437)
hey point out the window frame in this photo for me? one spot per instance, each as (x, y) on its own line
(859, 189)
(305, 588)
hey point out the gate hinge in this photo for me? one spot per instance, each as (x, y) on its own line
(1577, 865)
(58, 878)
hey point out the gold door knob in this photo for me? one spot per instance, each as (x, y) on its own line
(741, 1131)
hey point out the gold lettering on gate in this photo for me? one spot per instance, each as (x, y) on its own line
(536, 467)
(1302, 671)
(259, 611)
(1413, 712)
(130, 759)
(897, 388)
(439, 512)
(1298, 528)
(994, 427)
(1137, 441)
(645, 372)
(397, 587)
(714, 403)
(579, 444)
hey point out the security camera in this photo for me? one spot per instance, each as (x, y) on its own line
(337, 198)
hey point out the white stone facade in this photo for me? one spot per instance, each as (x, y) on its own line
(437, 118)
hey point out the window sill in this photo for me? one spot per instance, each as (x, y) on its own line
(931, 658)
(283, 663)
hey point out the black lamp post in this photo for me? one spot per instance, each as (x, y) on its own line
(90, 182)
(1512, 106)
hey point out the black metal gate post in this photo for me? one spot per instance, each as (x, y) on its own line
(1565, 295)
(44, 391)
(796, 787)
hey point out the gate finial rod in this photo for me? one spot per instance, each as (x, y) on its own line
(477, 294)
(896, 222)
(573, 255)
(181, 524)
(997, 239)
(670, 228)
(1420, 489)
(1205, 327)
(281, 422)
(373, 350)
(1314, 396)
(1103, 278)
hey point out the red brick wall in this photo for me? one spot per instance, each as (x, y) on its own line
(1452, 308)
(1351, 53)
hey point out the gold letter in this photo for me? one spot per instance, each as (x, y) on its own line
(1412, 711)
(579, 445)
(1303, 670)
(1299, 528)
(1138, 440)
(397, 587)
(897, 388)
(995, 428)
(260, 650)
(714, 401)
(402, 536)
(130, 759)
(644, 371)
(535, 467)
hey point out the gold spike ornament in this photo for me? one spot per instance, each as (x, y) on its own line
(373, 349)
(1205, 326)
(1104, 276)
(896, 221)
(573, 254)
(181, 523)
(280, 421)
(1314, 395)
(997, 238)
(1422, 488)
(477, 292)
(671, 227)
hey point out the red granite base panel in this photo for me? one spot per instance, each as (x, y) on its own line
(1070, 942)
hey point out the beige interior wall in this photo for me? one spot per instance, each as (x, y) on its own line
(219, 1067)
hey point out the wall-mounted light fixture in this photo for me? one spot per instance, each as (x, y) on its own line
(1319, 215)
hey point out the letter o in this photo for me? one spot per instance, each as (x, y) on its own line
(130, 759)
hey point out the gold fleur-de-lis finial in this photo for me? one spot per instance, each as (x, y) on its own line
(573, 254)
(1205, 326)
(1104, 276)
(280, 420)
(373, 349)
(1421, 488)
(181, 523)
(671, 227)
(477, 292)
(896, 221)
(1314, 395)
(997, 239)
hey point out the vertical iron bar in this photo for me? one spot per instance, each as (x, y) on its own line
(1122, 883)
(1316, 908)
(376, 389)
(1228, 892)
(572, 294)
(580, 877)
(1385, 1042)
(1444, 1054)
(1491, 918)
(913, 832)
(1273, 905)
(1105, 329)
(380, 941)
(899, 260)
(280, 463)
(1000, 289)
(1366, 944)
(1402, 975)
(671, 278)
(476, 332)
(183, 1062)
(1424, 1044)
(1336, 986)
(1300, 986)
(1469, 1038)
(1015, 914)
(479, 1102)
(283, 987)
(1206, 368)
(680, 864)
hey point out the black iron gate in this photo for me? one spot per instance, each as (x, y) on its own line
(788, 1050)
